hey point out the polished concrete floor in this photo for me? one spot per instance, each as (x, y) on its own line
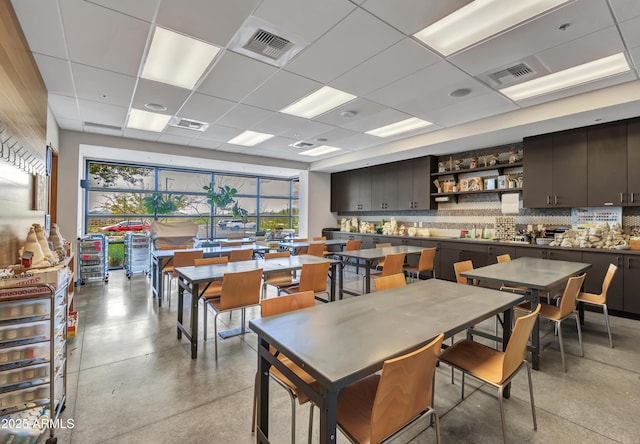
(131, 381)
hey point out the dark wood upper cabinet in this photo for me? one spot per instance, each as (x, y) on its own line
(422, 169)
(536, 169)
(569, 168)
(339, 191)
(607, 158)
(633, 162)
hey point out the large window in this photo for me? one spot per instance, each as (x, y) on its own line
(118, 193)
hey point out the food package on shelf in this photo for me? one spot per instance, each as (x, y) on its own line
(20, 277)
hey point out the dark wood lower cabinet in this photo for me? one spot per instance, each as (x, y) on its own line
(631, 302)
(595, 276)
(448, 256)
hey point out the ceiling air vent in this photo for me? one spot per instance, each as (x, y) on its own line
(194, 125)
(512, 74)
(301, 144)
(268, 44)
(102, 126)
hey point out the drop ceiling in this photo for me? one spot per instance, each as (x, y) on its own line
(91, 53)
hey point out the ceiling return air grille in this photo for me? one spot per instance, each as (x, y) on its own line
(101, 126)
(194, 125)
(301, 144)
(512, 74)
(268, 44)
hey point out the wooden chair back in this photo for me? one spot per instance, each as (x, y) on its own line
(320, 238)
(173, 247)
(277, 254)
(611, 271)
(316, 249)
(211, 261)
(186, 258)
(571, 292)
(285, 304)
(230, 244)
(393, 264)
(313, 277)
(503, 258)
(353, 245)
(517, 346)
(427, 258)
(244, 254)
(392, 281)
(461, 267)
(300, 239)
(405, 390)
(278, 274)
(241, 289)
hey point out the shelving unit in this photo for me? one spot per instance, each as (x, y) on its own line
(33, 360)
(93, 258)
(501, 168)
(136, 254)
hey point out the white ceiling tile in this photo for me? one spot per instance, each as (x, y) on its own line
(335, 137)
(214, 21)
(277, 143)
(141, 9)
(585, 49)
(56, 75)
(631, 32)
(635, 56)
(204, 143)
(584, 17)
(244, 116)
(102, 113)
(413, 15)
(362, 108)
(291, 126)
(106, 39)
(91, 83)
(361, 141)
(220, 133)
(235, 76)
(42, 27)
(384, 117)
(625, 9)
(281, 90)
(69, 124)
(64, 107)
(140, 134)
(116, 131)
(149, 91)
(231, 148)
(471, 109)
(307, 19)
(341, 48)
(182, 132)
(396, 62)
(205, 108)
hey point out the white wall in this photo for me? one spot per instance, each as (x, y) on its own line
(74, 148)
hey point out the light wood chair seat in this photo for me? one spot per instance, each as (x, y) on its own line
(386, 282)
(600, 300)
(426, 264)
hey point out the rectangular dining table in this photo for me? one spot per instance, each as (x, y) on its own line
(195, 280)
(369, 256)
(343, 342)
(294, 246)
(161, 258)
(538, 275)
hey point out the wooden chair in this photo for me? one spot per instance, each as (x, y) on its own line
(180, 259)
(243, 254)
(380, 407)
(320, 238)
(495, 367)
(313, 277)
(301, 250)
(279, 279)
(271, 307)
(600, 300)
(427, 258)
(461, 267)
(352, 245)
(393, 265)
(392, 281)
(316, 249)
(239, 291)
(380, 264)
(566, 309)
(215, 287)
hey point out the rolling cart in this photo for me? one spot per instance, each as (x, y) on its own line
(93, 258)
(136, 254)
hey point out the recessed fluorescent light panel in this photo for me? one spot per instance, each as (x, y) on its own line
(250, 138)
(577, 75)
(148, 121)
(319, 151)
(399, 127)
(177, 59)
(480, 20)
(321, 101)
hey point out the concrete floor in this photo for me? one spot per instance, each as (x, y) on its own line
(131, 380)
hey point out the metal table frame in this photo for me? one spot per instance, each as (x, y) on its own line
(342, 342)
(195, 280)
(370, 255)
(161, 258)
(536, 274)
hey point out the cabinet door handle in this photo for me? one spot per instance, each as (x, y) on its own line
(621, 197)
(628, 263)
(632, 197)
(548, 200)
(556, 200)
